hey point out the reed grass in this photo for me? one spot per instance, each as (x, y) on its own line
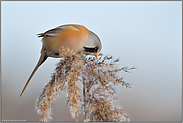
(90, 84)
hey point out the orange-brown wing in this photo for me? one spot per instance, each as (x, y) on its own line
(71, 36)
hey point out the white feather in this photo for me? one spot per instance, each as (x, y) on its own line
(61, 27)
(51, 34)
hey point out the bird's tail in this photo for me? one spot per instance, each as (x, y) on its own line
(42, 58)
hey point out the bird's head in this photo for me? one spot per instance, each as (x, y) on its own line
(93, 45)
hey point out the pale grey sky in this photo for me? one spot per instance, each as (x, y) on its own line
(145, 34)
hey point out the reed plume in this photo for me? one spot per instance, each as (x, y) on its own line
(90, 85)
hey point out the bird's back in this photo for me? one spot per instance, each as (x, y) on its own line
(72, 36)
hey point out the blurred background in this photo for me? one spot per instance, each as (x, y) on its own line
(147, 35)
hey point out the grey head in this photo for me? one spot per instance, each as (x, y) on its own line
(93, 45)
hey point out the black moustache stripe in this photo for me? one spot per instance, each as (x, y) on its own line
(91, 49)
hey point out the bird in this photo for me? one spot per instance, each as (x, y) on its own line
(72, 36)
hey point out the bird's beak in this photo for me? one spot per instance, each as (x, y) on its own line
(96, 55)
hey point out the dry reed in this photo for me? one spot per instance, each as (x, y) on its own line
(95, 78)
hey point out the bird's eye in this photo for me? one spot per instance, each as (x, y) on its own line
(96, 49)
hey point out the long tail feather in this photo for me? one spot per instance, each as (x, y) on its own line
(42, 58)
